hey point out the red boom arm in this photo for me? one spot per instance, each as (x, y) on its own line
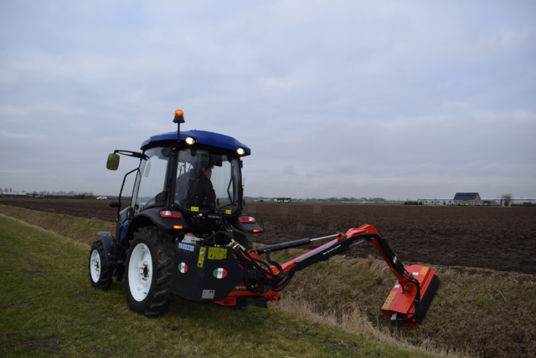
(407, 303)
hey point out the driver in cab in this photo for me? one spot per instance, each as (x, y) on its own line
(194, 188)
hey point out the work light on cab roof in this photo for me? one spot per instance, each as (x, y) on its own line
(187, 206)
(190, 140)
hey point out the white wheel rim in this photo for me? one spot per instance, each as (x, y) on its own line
(140, 272)
(95, 266)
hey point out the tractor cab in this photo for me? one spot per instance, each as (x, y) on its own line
(188, 182)
(196, 175)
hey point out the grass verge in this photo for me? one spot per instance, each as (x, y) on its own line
(49, 308)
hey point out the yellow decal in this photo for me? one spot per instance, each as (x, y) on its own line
(201, 259)
(194, 208)
(217, 253)
(424, 270)
(228, 212)
(389, 300)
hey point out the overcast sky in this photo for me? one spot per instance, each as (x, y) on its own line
(396, 99)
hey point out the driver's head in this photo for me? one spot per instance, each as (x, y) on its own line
(207, 171)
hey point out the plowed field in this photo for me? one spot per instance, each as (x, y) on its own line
(489, 237)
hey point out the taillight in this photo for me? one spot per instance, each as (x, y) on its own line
(170, 214)
(247, 219)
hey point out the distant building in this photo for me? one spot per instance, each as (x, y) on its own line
(282, 199)
(434, 202)
(489, 202)
(467, 199)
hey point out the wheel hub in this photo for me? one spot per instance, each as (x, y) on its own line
(95, 266)
(140, 272)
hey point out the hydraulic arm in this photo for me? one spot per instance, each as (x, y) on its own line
(407, 302)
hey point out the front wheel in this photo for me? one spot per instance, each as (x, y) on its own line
(149, 271)
(100, 267)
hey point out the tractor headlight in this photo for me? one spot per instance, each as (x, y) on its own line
(190, 140)
(240, 151)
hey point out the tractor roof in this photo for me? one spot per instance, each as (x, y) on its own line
(202, 137)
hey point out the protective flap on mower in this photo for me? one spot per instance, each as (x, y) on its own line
(205, 273)
(402, 303)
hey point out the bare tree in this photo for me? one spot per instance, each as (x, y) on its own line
(506, 199)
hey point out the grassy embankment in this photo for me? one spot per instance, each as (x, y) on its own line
(475, 312)
(49, 308)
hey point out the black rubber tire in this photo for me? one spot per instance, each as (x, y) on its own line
(156, 300)
(100, 268)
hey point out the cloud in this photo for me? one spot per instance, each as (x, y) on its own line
(380, 157)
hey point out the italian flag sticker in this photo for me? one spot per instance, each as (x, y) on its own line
(219, 273)
(183, 268)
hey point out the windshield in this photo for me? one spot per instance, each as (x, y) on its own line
(207, 181)
(152, 178)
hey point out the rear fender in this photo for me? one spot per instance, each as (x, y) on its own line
(107, 241)
(152, 217)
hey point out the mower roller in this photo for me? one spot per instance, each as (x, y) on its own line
(184, 233)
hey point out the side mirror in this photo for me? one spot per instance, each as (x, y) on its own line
(113, 161)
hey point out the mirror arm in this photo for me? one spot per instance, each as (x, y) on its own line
(130, 153)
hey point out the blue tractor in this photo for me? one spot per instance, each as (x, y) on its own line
(184, 233)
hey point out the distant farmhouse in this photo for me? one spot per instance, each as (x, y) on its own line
(467, 199)
(462, 199)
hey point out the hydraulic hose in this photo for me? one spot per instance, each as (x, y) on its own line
(264, 275)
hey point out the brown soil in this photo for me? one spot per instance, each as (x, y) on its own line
(489, 237)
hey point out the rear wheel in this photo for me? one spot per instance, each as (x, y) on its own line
(100, 267)
(149, 270)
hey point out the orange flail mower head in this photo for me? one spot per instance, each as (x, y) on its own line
(408, 304)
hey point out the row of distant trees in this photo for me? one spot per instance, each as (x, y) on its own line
(506, 199)
(47, 194)
(331, 199)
